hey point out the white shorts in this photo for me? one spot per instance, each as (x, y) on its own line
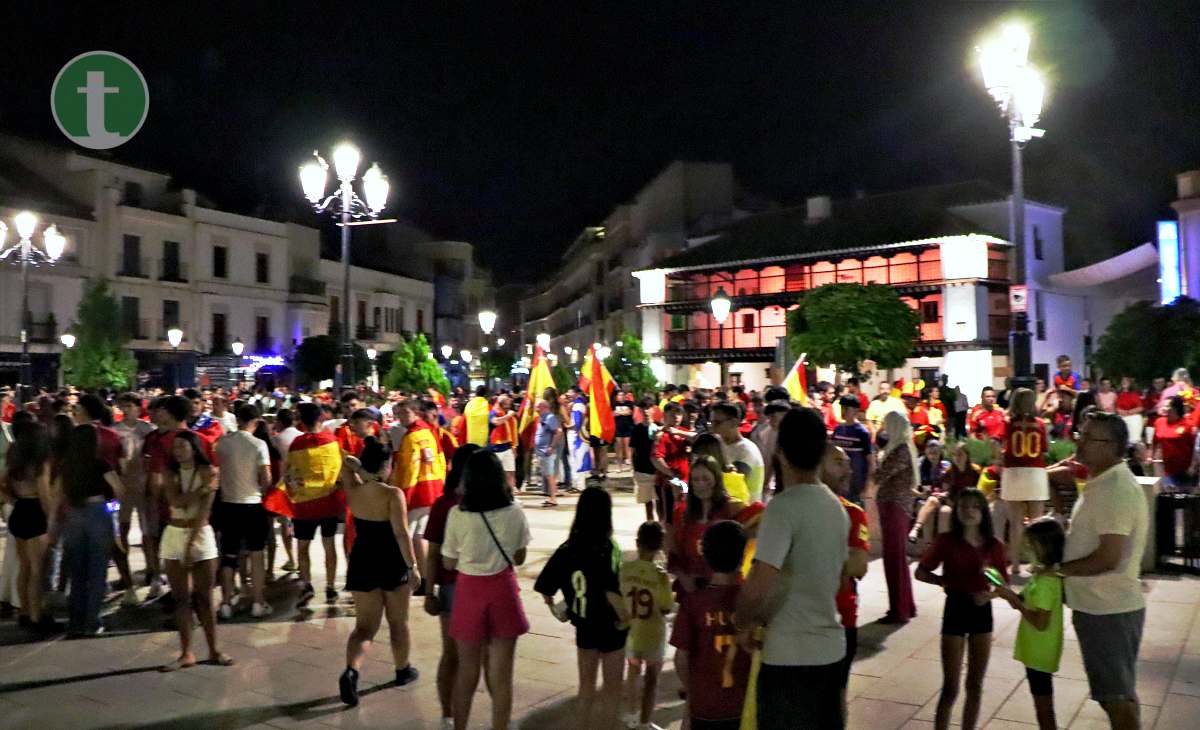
(1025, 484)
(417, 519)
(508, 459)
(174, 544)
(643, 488)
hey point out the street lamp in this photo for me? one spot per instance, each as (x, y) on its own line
(372, 353)
(53, 244)
(447, 351)
(346, 205)
(174, 337)
(68, 341)
(465, 355)
(499, 342)
(1018, 90)
(238, 347)
(543, 341)
(720, 310)
(487, 321)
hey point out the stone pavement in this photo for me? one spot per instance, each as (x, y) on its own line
(287, 669)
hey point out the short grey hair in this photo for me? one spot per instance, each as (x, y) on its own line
(1114, 428)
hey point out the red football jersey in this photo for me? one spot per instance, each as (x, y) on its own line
(859, 537)
(718, 669)
(1025, 444)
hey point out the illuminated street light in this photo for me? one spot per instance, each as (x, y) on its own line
(238, 347)
(543, 341)
(447, 351)
(68, 340)
(720, 310)
(487, 321)
(24, 252)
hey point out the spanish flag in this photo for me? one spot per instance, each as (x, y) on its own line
(595, 380)
(475, 421)
(309, 489)
(539, 380)
(796, 382)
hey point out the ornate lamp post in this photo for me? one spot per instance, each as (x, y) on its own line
(347, 206)
(372, 353)
(1018, 90)
(68, 341)
(720, 310)
(237, 347)
(53, 244)
(174, 338)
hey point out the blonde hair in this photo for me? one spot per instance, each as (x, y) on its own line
(900, 435)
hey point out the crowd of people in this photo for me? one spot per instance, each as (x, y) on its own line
(756, 528)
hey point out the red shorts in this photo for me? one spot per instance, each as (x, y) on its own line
(487, 607)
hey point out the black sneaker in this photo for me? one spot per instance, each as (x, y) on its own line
(408, 675)
(420, 591)
(348, 686)
(24, 621)
(306, 594)
(331, 595)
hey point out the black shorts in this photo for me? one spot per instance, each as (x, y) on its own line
(597, 442)
(962, 617)
(1041, 684)
(603, 639)
(307, 529)
(243, 525)
(851, 650)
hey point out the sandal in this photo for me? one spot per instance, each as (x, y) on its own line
(549, 503)
(177, 665)
(221, 660)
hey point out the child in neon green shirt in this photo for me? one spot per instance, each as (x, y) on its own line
(1039, 641)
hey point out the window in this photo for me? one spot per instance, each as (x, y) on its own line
(262, 334)
(400, 319)
(170, 315)
(220, 262)
(132, 195)
(748, 323)
(262, 268)
(929, 312)
(420, 320)
(1039, 313)
(131, 255)
(1037, 245)
(129, 318)
(220, 333)
(170, 261)
(377, 317)
(362, 313)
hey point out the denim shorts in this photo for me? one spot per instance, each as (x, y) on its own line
(548, 463)
(1109, 644)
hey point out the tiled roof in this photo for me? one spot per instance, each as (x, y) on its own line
(875, 220)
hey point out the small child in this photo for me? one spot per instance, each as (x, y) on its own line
(585, 569)
(717, 670)
(1039, 642)
(648, 587)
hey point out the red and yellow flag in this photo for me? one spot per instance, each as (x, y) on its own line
(595, 380)
(796, 382)
(539, 380)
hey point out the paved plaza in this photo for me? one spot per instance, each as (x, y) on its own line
(287, 666)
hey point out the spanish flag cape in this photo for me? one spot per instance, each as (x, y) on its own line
(796, 382)
(417, 468)
(309, 488)
(595, 380)
(475, 420)
(539, 380)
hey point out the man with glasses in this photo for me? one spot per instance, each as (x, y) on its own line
(742, 452)
(1101, 566)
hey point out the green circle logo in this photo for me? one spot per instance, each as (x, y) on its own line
(99, 100)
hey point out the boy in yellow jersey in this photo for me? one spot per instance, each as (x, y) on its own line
(644, 583)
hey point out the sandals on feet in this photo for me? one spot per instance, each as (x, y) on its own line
(221, 660)
(176, 665)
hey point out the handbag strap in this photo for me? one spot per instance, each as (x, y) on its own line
(496, 540)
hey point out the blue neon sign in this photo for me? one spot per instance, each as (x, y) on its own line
(1169, 279)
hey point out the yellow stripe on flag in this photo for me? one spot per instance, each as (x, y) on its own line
(313, 473)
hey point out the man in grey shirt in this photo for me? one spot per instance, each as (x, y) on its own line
(793, 585)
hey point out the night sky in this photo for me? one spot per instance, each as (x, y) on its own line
(514, 128)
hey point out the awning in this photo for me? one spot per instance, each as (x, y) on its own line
(1111, 269)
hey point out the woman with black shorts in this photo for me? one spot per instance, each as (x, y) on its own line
(26, 484)
(623, 417)
(963, 554)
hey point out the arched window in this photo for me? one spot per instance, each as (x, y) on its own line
(849, 271)
(823, 272)
(875, 270)
(902, 268)
(929, 264)
(772, 280)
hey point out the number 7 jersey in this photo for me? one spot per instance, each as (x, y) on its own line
(1025, 444)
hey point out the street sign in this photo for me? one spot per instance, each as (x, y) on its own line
(1018, 298)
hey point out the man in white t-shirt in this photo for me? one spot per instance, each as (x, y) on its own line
(396, 431)
(742, 452)
(285, 430)
(222, 415)
(793, 585)
(245, 474)
(1101, 563)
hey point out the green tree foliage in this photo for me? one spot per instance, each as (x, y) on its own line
(1148, 340)
(317, 357)
(564, 376)
(414, 370)
(629, 365)
(100, 358)
(497, 364)
(848, 323)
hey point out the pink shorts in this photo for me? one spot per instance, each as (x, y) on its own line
(487, 607)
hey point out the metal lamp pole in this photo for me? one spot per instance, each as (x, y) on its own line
(1018, 90)
(54, 243)
(720, 310)
(348, 207)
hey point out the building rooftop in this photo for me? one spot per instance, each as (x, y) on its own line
(874, 220)
(21, 187)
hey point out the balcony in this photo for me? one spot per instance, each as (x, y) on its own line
(137, 329)
(136, 268)
(362, 332)
(173, 271)
(43, 331)
(305, 285)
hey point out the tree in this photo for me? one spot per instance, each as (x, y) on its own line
(630, 366)
(414, 370)
(497, 364)
(317, 357)
(1147, 340)
(848, 323)
(564, 376)
(100, 357)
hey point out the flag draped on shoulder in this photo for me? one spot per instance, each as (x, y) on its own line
(796, 382)
(539, 380)
(595, 380)
(475, 421)
(309, 487)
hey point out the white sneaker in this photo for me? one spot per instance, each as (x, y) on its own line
(260, 610)
(156, 590)
(631, 720)
(225, 612)
(447, 723)
(131, 598)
